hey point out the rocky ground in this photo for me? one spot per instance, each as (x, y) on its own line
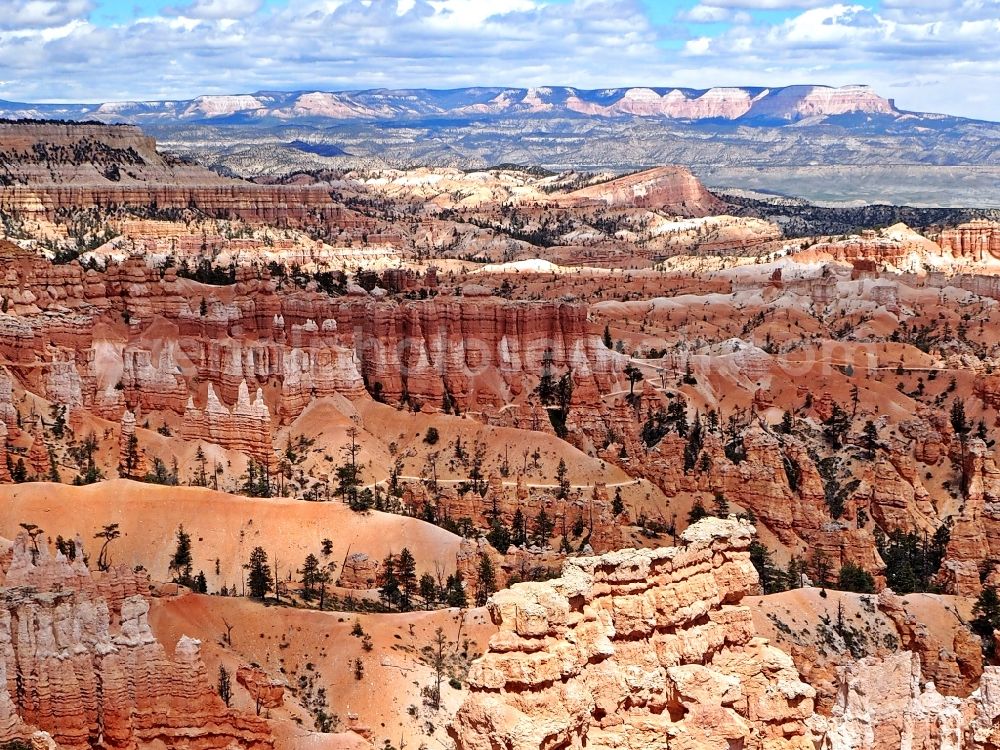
(249, 399)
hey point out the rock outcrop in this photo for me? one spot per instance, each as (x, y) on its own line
(977, 240)
(636, 649)
(882, 704)
(83, 665)
(673, 189)
(246, 428)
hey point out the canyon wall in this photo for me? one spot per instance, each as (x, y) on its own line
(79, 665)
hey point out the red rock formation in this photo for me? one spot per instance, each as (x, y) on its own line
(975, 530)
(39, 459)
(954, 667)
(634, 649)
(882, 705)
(672, 189)
(480, 351)
(78, 674)
(976, 241)
(246, 428)
(264, 691)
(898, 246)
(132, 461)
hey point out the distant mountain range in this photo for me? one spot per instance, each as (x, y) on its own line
(846, 144)
(787, 104)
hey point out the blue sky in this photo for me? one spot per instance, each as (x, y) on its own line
(931, 55)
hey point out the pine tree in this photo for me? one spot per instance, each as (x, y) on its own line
(821, 570)
(634, 375)
(562, 479)
(518, 529)
(986, 618)
(697, 512)
(389, 589)
(309, 576)
(854, 578)
(487, 580)
(181, 561)
(606, 338)
(543, 528)
(109, 533)
(871, 439)
(406, 568)
(259, 578)
(771, 580)
(617, 504)
(455, 590)
(428, 590)
(201, 478)
(224, 687)
(836, 426)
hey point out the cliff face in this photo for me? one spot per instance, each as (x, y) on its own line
(295, 345)
(667, 188)
(47, 169)
(238, 360)
(79, 662)
(977, 240)
(882, 705)
(636, 649)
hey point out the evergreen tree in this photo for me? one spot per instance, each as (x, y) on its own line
(518, 529)
(406, 573)
(771, 579)
(821, 570)
(697, 512)
(986, 618)
(455, 590)
(259, 578)
(606, 338)
(543, 528)
(428, 590)
(871, 439)
(854, 578)
(499, 536)
(562, 478)
(793, 577)
(487, 580)
(309, 576)
(634, 375)
(224, 686)
(617, 504)
(388, 591)
(721, 506)
(182, 560)
(836, 426)
(109, 533)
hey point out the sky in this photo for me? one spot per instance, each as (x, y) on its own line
(929, 55)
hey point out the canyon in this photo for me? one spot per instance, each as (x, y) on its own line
(668, 467)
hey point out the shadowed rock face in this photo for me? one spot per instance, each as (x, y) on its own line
(79, 664)
(636, 648)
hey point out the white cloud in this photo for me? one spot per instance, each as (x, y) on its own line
(932, 55)
(39, 14)
(217, 9)
(764, 4)
(708, 13)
